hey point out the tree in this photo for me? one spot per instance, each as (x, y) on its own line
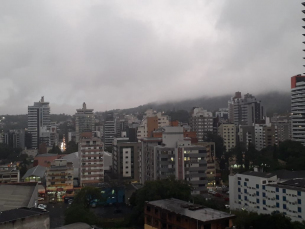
(77, 213)
(249, 220)
(55, 150)
(71, 147)
(86, 195)
(220, 149)
(157, 190)
(79, 210)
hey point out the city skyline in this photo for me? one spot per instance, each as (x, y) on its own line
(112, 55)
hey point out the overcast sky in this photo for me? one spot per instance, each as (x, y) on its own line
(120, 54)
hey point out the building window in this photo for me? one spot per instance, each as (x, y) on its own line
(277, 205)
(239, 196)
(284, 198)
(257, 201)
(299, 193)
(277, 190)
(264, 202)
(299, 201)
(277, 197)
(264, 194)
(257, 186)
(238, 189)
(245, 183)
(264, 187)
(238, 182)
(264, 182)
(299, 209)
(284, 190)
(246, 198)
(257, 193)
(245, 190)
(148, 209)
(246, 179)
(284, 206)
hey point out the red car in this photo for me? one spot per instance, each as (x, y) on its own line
(218, 195)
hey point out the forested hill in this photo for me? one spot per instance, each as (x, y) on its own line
(274, 102)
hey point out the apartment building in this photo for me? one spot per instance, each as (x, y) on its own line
(151, 122)
(84, 121)
(211, 163)
(297, 108)
(266, 193)
(246, 135)
(59, 178)
(228, 133)
(174, 213)
(245, 111)
(146, 158)
(9, 174)
(265, 135)
(38, 121)
(175, 156)
(201, 121)
(125, 159)
(90, 151)
(283, 126)
(109, 129)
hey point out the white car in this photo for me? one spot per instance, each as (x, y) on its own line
(227, 206)
(42, 206)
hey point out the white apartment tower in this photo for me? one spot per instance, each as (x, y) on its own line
(298, 108)
(84, 121)
(38, 120)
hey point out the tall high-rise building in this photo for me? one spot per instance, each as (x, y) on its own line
(228, 133)
(38, 120)
(109, 129)
(90, 150)
(298, 108)
(245, 111)
(84, 121)
(201, 122)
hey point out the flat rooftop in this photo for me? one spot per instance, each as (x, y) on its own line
(297, 184)
(259, 174)
(194, 211)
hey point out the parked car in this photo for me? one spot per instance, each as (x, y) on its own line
(42, 206)
(40, 198)
(218, 188)
(227, 206)
(226, 199)
(70, 201)
(217, 194)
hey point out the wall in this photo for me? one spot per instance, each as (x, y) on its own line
(33, 222)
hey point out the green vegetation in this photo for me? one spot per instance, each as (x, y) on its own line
(157, 190)
(288, 155)
(79, 210)
(71, 147)
(220, 149)
(55, 150)
(251, 220)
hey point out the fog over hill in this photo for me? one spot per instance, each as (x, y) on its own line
(274, 102)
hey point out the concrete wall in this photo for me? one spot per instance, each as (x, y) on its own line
(33, 222)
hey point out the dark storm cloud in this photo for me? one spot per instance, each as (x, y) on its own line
(114, 54)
